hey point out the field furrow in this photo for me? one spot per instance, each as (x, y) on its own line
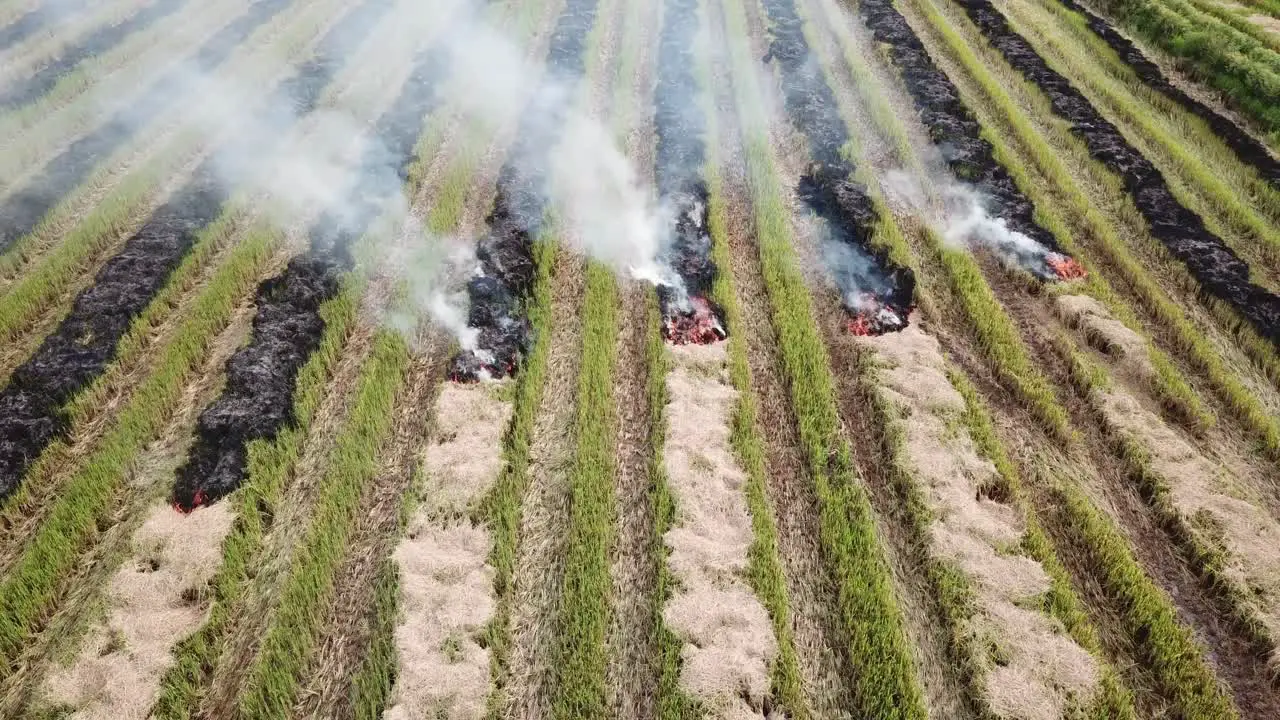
(891, 359)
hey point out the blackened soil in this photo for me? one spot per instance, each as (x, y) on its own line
(23, 210)
(96, 43)
(827, 186)
(681, 154)
(1248, 149)
(79, 350)
(257, 400)
(1220, 272)
(505, 252)
(952, 128)
(35, 20)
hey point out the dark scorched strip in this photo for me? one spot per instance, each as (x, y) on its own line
(79, 350)
(687, 316)
(1219, 270)
(499, 291)
(877, 294)
(96, 43)
(35, 20)
(257, 401)
(22, 211)
(1245, 146)
(954, 131)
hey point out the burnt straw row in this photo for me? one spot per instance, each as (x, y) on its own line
(688, 315)
(22, 211)
(257, 401)
(36, 19)
(877, 294)
(1245, 146)
(957, 134)
(1219, 270)
(96, 43)
(85, 342)
(499, 291)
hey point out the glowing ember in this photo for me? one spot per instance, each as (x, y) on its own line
(873, 317)
(699, 326)
(470, 367)
(1065, 266)
(199, 500)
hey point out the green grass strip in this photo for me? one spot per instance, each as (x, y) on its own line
(1008, 120)
(286, 649)
(35, 582)
(371, 686)
(1114, 700)
(1204, 175)
(1234, 63)
(869, 620)
(764, 560)
(1163, 643)
(269, 466)
(501, 509)
(579, 690)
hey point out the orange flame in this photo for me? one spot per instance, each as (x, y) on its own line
(697, 327)
(1065, 267)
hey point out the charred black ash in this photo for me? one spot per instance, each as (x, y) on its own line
(35, 20)
(958, 137)
(688, 315)
(876, 293)
(257, 401)
(84, 343)
(23, 210)
(1245, 146)
(1219, 270)
(82, 346)
(507, 268)
(96, 43)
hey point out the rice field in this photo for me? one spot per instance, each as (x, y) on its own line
(448, 359)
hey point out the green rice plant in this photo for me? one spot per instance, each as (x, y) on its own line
(764, 560)
(1210, 561)
(268, 468)
(1236, 64)
(1164, 644)
(1204, 175)
(75, 520)
(581, 656)
(372, 683)
(291, 637)
(868, 616)
(500, 510)
(1006, 126)
(1114, 700)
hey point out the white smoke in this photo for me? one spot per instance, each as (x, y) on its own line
(962, 218)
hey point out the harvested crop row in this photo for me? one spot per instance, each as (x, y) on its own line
(729, 644)
(1021, 665)
(1220, 270)
(85, 342)
(36, 19)
(1248, 149)
(96, 43)
(24, 209)
(288, 325)
(866, 618)
(518, 216)
(1235, 64)
(1015, 169)
(877, 294)
(1216, 507)
(1236, 206)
